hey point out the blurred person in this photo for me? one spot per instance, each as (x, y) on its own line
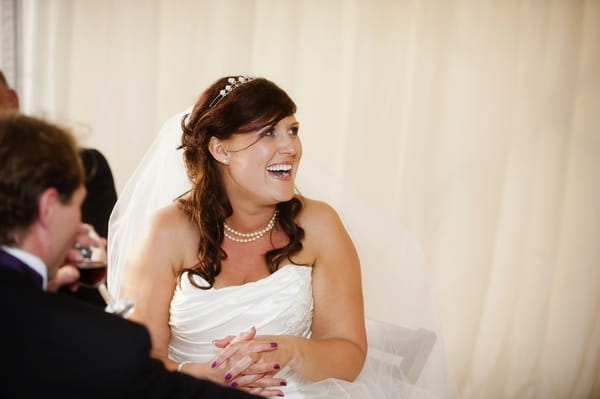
(96, 208)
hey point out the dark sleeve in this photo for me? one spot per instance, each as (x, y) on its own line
(149, 379)
(157, 383)
(78, 351)
(101, 192)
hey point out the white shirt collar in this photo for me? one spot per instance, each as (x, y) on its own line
(30, 260)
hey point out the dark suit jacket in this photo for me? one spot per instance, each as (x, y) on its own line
(53, 346)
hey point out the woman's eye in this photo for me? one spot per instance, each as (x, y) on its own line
(268, 132)
(294, 131)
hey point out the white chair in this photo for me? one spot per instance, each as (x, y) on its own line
(406, 350)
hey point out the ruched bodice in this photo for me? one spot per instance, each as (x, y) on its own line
(279, 304)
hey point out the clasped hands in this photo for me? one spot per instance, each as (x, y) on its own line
(247, 363)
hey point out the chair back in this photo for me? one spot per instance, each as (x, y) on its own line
(405, 349)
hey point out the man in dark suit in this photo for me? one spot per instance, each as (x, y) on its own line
(96, 208)
(52, 345)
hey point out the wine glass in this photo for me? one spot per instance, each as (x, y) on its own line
(92, 269)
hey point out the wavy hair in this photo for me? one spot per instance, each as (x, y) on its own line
(249, 107)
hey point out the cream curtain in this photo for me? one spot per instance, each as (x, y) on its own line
(471, 124)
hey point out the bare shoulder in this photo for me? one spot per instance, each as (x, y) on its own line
(170, 217)
(317, 213)
(171, 232)
(321, 223)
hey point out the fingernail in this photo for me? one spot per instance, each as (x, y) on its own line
(213, 365)
(280, 394)
(273, 344)
(228, 377)
(234, 384)
(283, 384)
(276, 366)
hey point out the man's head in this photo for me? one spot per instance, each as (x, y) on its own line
(41, 188)
(9, 100)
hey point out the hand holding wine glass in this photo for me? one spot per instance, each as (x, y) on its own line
(86, 243)
(92, 268)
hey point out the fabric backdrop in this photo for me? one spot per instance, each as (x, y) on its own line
(471, 124)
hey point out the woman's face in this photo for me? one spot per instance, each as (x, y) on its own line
(262, 165)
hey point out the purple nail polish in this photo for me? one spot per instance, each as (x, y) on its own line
(234, 384)
(283, 384)
(276, 366)
(280, 394)
(273, 344)
(228, 376)
(213, 365)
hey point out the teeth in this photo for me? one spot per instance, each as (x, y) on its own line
(279, 168)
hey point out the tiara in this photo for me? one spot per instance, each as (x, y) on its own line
(232, 84)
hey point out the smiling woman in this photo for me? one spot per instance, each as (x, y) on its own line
(237, 275)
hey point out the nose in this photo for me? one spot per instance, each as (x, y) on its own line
(289, 144)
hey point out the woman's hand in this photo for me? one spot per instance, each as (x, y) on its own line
(243, 358)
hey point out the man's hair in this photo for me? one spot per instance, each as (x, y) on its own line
(34, 156)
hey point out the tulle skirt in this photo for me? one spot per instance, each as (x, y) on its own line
(395, 359)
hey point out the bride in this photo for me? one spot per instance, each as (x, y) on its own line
(239, 278)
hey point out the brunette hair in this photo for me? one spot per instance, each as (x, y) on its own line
(249, 107)
(36, 155)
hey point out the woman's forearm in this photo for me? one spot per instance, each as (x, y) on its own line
(318, 359)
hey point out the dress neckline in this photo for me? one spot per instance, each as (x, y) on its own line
(278, 272)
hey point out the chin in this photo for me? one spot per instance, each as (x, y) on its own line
(285, 197)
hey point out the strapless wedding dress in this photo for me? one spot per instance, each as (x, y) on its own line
(279, 304)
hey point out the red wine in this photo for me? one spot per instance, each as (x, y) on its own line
(91, 273)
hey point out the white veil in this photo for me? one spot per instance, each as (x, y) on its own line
(397, 288)
(157, 181)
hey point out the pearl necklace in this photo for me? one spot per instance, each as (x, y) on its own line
(249, 237)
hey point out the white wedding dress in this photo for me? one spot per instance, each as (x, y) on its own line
(279, 304)
(282, 302)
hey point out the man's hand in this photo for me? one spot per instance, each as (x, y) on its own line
(68, 274)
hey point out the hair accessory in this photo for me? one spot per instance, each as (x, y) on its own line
(233, 84)
(249, 237)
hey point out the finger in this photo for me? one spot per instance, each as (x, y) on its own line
(67, 274)
(223, 342)
(265, 392)
(262, 368)
(74, 256)
(268, 382)
(87, 236)
(246, 347)
(232, 349)
(238, 367)
(245, 336)
(224, 355)
(73, 287)
(246, 380)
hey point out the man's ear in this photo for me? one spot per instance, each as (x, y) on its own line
(218, 151)
(13, 99)
(47, 203)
